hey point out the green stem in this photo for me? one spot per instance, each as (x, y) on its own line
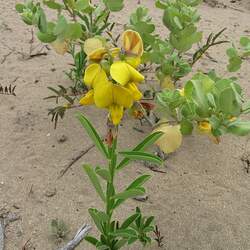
(110, 184)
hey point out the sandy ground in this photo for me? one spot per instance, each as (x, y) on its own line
(201, 203)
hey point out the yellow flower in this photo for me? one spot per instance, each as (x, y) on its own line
(106, 94)
(171, 140)
(133, 61)
(88, 98)
(132, 43)
(232, 118)
(133, 47)
(124, 73)
(114, 88)
(205, 127)
(135, 92)
(92, 44)
(97, 54)
(182, 92)
(93, 74)
(60, 46)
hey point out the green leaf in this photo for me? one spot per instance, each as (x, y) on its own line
(244, 41)
(142, 156)
(228, 103)
(131, 193)
(235, 60)
(177, 22)
(125, 233)
(114, 5)
(246, 107)
(240, 128)
(91, 240)
(129, 221)
(97, 220)
(27, 18)
(234, 64)
(95, 181)
(184, 39)
(139, 181)
(84, 6)
(93, 134)
(20, 7)
(73, 31)
(119, 244)
(60, 26)
(42, 20)
(232, 52)
(186, 127)
(161, 5)
(47, 37)
(53, 5)
(196, 91)
(148, 221)
(147, 142)
(104, 173)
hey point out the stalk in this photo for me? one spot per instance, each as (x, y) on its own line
(110, 184)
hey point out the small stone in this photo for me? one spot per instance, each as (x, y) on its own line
(62, 139)
(16, 206)
(141, 198)
(50, 192)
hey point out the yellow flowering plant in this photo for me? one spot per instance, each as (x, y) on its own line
(112, 84)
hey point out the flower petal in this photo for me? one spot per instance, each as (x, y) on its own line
(116, 113)
(103, 94)
(135, 75)
(88, 99)
(133, 61)
(205, 127)
(182, 91)
(120, 72)
(97, 54)
(122, 96)
(132, 43)
(123, 73)
(93, 74)
(60, 47)
(171, 140)
(115, 52)
(135, 92)
(92, 44)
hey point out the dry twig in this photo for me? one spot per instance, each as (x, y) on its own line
(81, 233)
(74, 160)
(5, 219)
(5, 57)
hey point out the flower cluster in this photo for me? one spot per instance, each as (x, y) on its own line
(112, 76)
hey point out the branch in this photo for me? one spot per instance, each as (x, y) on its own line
(80, 235)
(211, 41)
(4, 221)
(74, 160)
(2, 227)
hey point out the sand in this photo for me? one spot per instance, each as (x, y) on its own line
(202, 202)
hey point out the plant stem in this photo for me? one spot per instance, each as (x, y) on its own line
(110, 184)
